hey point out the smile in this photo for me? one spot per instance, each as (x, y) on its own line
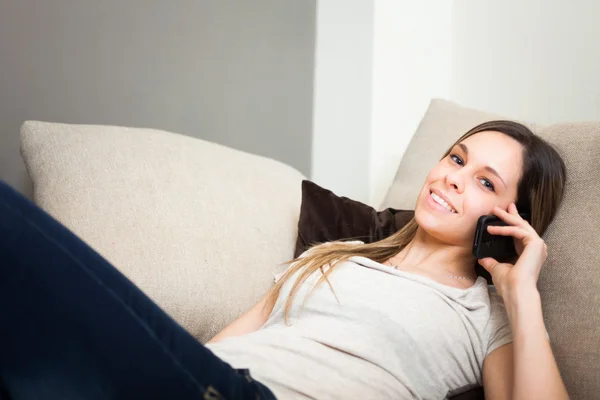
(440, 203)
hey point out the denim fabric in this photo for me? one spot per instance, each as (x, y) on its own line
(73, 327)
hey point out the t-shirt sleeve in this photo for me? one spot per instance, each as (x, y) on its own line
(499, 331)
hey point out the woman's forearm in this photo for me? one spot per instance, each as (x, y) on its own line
(249, 322)
(536, 373)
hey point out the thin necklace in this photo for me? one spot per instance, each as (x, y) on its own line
(448, 275)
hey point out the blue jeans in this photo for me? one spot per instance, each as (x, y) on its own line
(73, 327)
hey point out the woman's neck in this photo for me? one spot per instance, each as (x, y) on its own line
(426, 253)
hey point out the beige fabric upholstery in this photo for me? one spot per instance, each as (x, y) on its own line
(200, 227)
(570, 280)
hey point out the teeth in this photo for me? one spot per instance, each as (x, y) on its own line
(442, 202)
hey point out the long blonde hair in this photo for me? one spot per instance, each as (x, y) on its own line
(539, 192)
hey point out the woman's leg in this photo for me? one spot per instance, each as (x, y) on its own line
(73, 327)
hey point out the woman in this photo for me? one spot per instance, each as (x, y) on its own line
(405, 317)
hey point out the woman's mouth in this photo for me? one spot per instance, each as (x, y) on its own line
(437, 203)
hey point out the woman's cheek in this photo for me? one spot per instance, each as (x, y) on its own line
(477, 212)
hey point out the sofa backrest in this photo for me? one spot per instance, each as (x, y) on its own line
(200, 227)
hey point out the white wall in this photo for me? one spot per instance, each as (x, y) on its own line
(532, 60)
(411, 64)
(342, 97)
(378, 63)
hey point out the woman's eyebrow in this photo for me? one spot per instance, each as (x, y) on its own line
(487, 167)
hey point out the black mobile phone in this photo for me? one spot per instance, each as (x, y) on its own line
(501, 248)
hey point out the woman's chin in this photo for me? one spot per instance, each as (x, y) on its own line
(442, 229)
(431, 221)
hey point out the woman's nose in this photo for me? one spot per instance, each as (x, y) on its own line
(455, 180)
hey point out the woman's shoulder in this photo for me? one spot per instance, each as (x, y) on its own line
(329, 244)
(310, 250)
(496, 300)
(497, 310)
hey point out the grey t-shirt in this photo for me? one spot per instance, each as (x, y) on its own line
(393, 334)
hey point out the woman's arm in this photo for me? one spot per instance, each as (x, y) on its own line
(251, 321)
(536, 375)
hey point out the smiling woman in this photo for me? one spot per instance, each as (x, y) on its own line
(415, 294)
(492, 165)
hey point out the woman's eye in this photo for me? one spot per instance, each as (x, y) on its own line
(489, 185)
(454, 158)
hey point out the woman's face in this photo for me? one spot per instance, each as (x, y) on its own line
(467, 181)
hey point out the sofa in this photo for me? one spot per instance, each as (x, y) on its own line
(203, 228)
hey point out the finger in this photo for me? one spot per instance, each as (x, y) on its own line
(490, 264)
(512, 208)
(515, 231)
(507, 217)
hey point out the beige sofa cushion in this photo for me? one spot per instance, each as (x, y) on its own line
(200, 227)
(570, 279)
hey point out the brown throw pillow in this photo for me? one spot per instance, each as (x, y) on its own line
(325, 217)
